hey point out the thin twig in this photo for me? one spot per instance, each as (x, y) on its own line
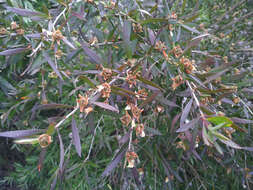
(92, 140)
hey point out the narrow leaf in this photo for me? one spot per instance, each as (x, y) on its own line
(242, 121)
(126, 31)
(187, 126)
(106, 106)
(52, 106)
(215, 76)
(151, 36)
(51, 63)
(220, 119)
(185, 112)
(13, 51)
(76, 138)
(190, 29)
(87, 80)
(20, 133)
(26, 141)
(145, 81)
(113, 164)
(22, 12)
(92, 54)
(61, 152)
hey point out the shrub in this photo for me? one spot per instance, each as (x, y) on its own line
(127, 94)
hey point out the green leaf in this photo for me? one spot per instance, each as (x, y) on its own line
(220, 119)
(220, 136)
(87, 80)
(217, 127)
(50, 129)
(153, 20)
(145, 81)
(27, 141)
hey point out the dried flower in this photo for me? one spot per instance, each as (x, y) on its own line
(137, 28)
(106, 90)
(136, 111)
(160, 46)
(131, 156)
(14, 25)
(140, 171)
(130, 62)
(20, 31)
(140, 130)
(88, 110)
(131, 79)
(126, 119)
(3, 31)
(142, 94)
(177, 81)
(58, 54)
(82, 101)
(57, 36)
(236, 100)
(106, 73)
(44, 140)
(188, 65)
(177, 51)
(159, 109)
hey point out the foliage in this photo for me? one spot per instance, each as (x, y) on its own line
(127, 94)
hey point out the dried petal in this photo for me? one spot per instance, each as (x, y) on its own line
(140, 130)
(45, 140)
(106, 73)
(126, 119)
(82, 101)
(177, 81)
(131, 156)
(106, 90)
(136, 112)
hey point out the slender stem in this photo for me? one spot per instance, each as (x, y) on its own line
(66, 117)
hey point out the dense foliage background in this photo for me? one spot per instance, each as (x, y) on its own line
(127, 94)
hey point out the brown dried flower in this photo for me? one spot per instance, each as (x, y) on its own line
(82, 101)
(142, 94)
(140, 130)
(106, 73)
(131, 79)
(159, 109)
(57, 36)
(160, 46)
(136, 111)
(44, 140)
(236, 100)
(106, 91)
(177, 81)
(88, 110)
(20, 31)
(177, 51)
(188, 65)
(58, 54)
(126, 119)
(131, 156)
(137, 28)
(3, 31)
